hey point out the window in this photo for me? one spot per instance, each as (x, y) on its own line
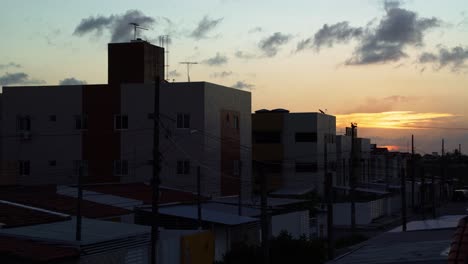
(183, 167)
(236, 122)
(52, 118)
(236, 167)
(83, 164)
(330, 138)
(24, 167)
(52, 163)
(267, 137)
(120, 167)
(23, 123)
(183, 120)
(306, 167)
(81, 122)
(306, 137)
(120, 122)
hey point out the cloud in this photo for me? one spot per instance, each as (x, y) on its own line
(243, 85)
(71, 81)
(243, 55)
(455, 58)
(271, 44)
(9, 65)
(19, 78)
(216, 60)
(173, 73)
(222, 74)
(117, 25)
(379, 43)
(204, 27)
(385, 104)
(328, 35)
(255, 30)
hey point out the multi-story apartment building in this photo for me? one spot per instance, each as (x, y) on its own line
(291, 148)
(107, 129)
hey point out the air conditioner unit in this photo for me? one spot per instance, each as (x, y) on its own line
(26, 135)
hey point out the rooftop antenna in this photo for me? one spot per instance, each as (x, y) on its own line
(135, 27)
(188, 63)
(321, 111)
(164, 43)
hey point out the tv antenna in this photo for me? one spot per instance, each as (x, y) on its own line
(135, 27)
(164, 41)
(188, 63)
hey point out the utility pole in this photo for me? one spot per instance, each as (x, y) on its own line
(423, 191)
(352, 178)
(79, 200)
(434, 212)
(329, 199)
(403, 198)
(413, 172)
(442, 174)
(239, 201)
(155, 181)
(264, 217)
(199, 211)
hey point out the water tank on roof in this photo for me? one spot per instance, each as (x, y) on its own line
(262, 111)
(280, 110)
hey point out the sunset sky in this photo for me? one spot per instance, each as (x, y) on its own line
(394, 67)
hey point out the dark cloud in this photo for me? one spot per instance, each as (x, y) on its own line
(271, 44)
(242, 85)
(397, 30)
(455, 58)
(117, 25)
(204, 27)
(173, 73)
(328, 35)
(19, 78)
(385, 104)
(255, 30)
(222, 74)
(216, 60)
(243, 55)
(9, 65)
(71, 81)
(383, 42)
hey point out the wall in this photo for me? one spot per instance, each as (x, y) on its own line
(49, 140)
(295, 223)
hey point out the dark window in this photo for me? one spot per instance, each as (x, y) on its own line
(23, 123)
(183, 167)
(183, 120)
(306, 167)
(24, 167)
(236, 122)
(267, 137)
(273, 166)
(52, 163)
(81, 122)
(121, 122)
(306, 137)
(121, 167)
(83, 164)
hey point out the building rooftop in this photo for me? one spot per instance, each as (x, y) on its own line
(15, 215)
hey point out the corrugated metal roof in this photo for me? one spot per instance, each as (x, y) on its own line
(443, 222)
(190, 212)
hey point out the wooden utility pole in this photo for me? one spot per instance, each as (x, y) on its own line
(239, 201)
(264, 217)
(423, 191)
(155, 181)
(403, 198)
(79, 200)
(199, 209)
(413, 172)
(329, 199)
(443, 195)
(352, 178)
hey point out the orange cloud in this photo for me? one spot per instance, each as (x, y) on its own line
(394, 119)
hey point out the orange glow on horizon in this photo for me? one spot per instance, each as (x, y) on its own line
(392, 120)
(391, 147)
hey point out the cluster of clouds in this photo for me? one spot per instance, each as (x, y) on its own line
(18, 78)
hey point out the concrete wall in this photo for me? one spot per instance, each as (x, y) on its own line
(49, 140)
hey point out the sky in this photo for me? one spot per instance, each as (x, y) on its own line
(395, 68)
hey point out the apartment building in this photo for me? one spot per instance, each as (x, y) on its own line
(291, 148)
(49, 132)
